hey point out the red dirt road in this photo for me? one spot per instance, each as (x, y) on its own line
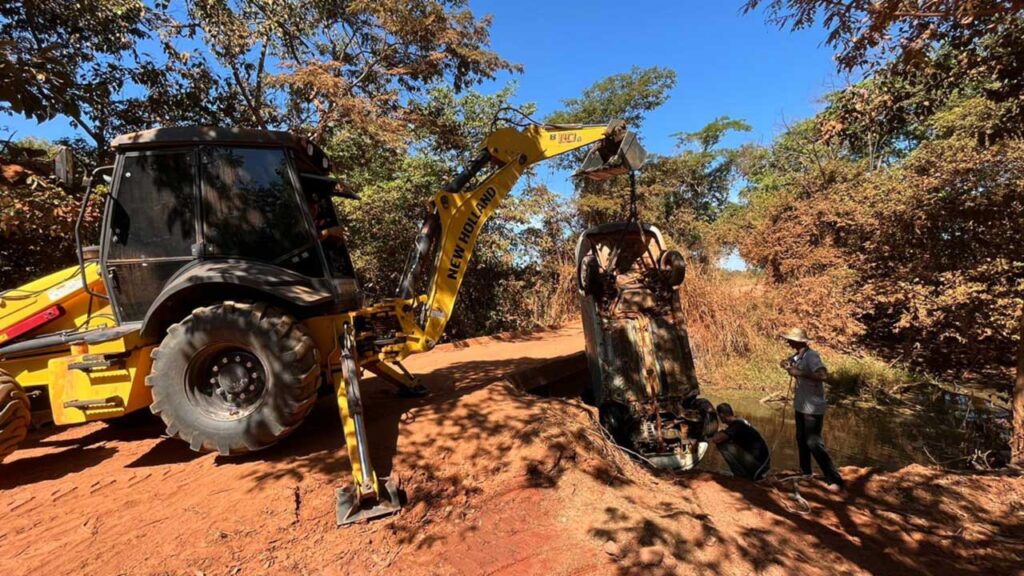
(499, 482)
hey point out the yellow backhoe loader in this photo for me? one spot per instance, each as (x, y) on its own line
(220, 297)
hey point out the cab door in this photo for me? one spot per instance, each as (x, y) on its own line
(151, 231)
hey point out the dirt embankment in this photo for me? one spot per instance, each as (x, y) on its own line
(499, 482)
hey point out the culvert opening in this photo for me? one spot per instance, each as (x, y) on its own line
(563, 377)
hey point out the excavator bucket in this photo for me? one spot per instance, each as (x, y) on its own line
(619, 153)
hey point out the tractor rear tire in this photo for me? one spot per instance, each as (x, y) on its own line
(15, 414)
(234, 377)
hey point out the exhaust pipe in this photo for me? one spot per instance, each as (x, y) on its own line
(619, 153)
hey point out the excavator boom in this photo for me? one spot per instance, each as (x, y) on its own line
(457, 214)
(439, 260)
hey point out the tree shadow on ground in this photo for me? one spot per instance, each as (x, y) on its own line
(68, 455)
(909, 522)
(469, 431)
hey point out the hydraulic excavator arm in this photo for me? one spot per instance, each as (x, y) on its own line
(461, 213)
(435, 270)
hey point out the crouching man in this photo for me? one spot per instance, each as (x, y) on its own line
(741, 445)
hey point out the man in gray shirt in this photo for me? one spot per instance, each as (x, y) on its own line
(809, 402)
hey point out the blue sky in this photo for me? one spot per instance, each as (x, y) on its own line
(727, 63)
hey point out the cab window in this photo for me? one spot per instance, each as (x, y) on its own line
(153, 214)
(250, 207)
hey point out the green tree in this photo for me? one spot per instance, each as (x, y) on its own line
(319, 67)
(704, 171)
(627, 96)
(71, 60)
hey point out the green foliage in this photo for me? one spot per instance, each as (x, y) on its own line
(866, 375)
(454, 125)
(37, 216)
(627, 96)
(384, 222)
(681, 194)
(703, 171)
(320, 67)
(711, 135)
(71, 60)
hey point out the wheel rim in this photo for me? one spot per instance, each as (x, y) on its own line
(226, 382)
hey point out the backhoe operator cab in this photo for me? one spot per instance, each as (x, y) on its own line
(211, 259)
(191, 207)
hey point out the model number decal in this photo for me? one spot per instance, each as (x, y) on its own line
(64, 289)
(466, 234)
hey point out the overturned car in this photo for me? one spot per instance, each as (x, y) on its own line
(642, 377)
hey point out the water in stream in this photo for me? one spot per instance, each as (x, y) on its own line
(931, 428)
(877, 436)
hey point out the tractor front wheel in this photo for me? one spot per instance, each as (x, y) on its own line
(15, 414)
(234, 377)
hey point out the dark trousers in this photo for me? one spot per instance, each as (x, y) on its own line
(743, 464)
(809, 441)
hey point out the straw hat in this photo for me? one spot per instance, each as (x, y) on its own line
(795, 335)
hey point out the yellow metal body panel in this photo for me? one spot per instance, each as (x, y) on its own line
(29, 372)
(89, 391)
(348, 424)
(78, 396)
(63, 288)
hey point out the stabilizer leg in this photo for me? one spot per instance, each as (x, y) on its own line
(408, 385)
(368, 497)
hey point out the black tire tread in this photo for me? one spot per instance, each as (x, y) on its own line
(297, 349)
(15, 414)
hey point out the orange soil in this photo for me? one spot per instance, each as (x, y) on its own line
(499, 482)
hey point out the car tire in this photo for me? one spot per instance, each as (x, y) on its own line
(616, 419)
(589, 279)
(672, 265)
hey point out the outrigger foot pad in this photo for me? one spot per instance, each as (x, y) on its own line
(352, 510)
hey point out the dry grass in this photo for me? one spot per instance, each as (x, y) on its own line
(554, 302)
(730, 322)
(733, 321)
